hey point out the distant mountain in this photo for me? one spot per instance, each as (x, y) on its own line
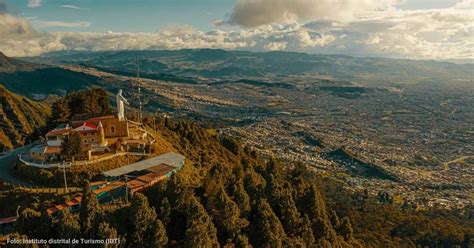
(11, 65)
(272, 66)
(20, 117)
(28, 78)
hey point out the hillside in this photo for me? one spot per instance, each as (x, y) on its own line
(231, 65)
(34, 79)
(11, 65)
(228, 196)
(20, 117)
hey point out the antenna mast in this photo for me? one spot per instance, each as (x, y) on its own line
(139, 91)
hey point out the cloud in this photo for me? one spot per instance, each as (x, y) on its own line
(253, 13)
(418, 34)
(71, 7)
(46, 24)
(34, 3)
(276, 46)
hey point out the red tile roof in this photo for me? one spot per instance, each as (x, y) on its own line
(52, 150)
(86, 127)
(87, 124)
(58, 131)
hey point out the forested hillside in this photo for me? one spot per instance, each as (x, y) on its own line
(228, 196)
(20, 118)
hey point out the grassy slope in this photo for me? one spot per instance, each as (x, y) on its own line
(19, 117)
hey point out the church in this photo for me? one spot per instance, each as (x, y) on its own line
(98, 134)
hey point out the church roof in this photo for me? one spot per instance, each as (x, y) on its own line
(86, 127)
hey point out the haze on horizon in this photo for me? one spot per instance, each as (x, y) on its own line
(412, 29)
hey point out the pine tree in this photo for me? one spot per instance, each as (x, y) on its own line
(157, 234)
(315, 208)
(306, 232)
(200, 231)
(241, 197)
(29, 222)
(255, 184)
(345, 229)
(335, 222)
(165, 211)
(226, 215)
(242, 241)
(71, 146)
(67, 226)
(267, 229)
(142, 218)
(105, 231)
(285, 207)
(88, 210)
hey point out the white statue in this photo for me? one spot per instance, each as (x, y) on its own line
(120, 105)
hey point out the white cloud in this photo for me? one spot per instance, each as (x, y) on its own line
(67, 6)
(252, 13)
(276, 46)
(45, 24)
(420, 34)
(35, 3)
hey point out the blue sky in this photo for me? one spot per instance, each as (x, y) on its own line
(415, 29)
(147, 15)
(126, 15)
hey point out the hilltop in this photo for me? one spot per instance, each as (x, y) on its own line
(20, 117)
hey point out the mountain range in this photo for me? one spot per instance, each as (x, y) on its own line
(215, 64)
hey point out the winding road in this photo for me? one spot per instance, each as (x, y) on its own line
(6, 163)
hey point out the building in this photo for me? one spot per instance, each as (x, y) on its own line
(98, 133)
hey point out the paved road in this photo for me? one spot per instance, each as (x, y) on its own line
(6, 163)
(446, 164)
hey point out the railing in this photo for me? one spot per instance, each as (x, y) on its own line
(88, 162)
(42, 190)
(43, 165)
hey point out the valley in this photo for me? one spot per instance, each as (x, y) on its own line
(395, 136)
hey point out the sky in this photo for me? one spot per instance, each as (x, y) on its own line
(413, 29)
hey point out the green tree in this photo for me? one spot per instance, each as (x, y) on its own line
(267, 229)
(285, 207)
(142, 218)
(29, 222)
(67, 226)
(158, 236)
(345, 229)
(60, 113)
(226, 215)
(200, 231)
(165, 211)
(71, 146)
(105, 231)
(306, 232)
(241, 197)
(88, 210)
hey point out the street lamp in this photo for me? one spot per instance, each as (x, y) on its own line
(64, 173)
